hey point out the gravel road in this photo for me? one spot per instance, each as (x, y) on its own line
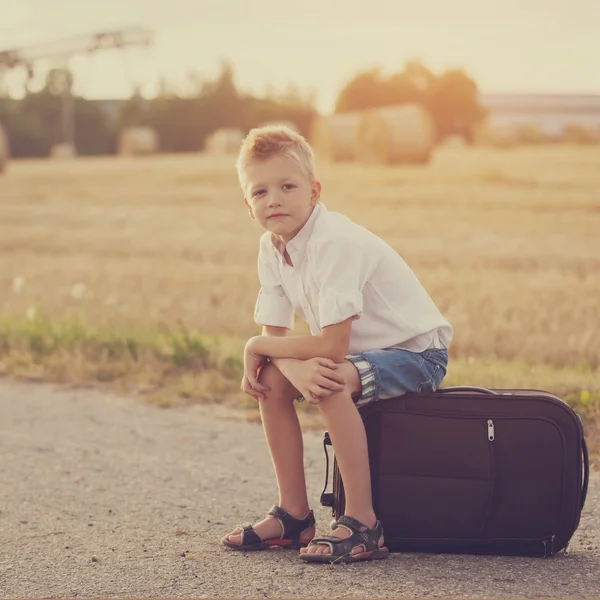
(101, 496)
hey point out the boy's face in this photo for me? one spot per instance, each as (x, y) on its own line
(279, 195)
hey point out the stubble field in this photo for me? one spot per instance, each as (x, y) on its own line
(506, 242)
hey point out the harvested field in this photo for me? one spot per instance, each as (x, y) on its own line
(507, 243)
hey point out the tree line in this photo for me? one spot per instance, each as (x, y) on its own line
(34, 123)
(450, 97)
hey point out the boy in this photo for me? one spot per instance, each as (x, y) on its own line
(376, 334)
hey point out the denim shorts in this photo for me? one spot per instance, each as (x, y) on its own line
(392, 372)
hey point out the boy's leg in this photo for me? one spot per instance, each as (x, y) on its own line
(284, 438)
(349, 439)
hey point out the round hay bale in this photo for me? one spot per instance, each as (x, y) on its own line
(455, 141)
(402, 134)
(62, 151)
(578, 134)
(137, 141)
(335, 137)
(532, 134)
(224, 141)
(4, 149)
(497, 136)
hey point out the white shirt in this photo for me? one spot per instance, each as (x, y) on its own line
(342, 270)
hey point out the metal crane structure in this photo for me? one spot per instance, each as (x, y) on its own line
(61, 51)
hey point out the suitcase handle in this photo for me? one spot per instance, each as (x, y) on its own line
(466, 388)
(586, 471)
(327, 499)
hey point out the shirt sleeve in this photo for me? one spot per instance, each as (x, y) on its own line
(273, 307)
(342, 269)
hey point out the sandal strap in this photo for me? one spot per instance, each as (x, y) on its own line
(292, 527)
(337, 546)
(361, 536)
(248, 535)
(351, 523)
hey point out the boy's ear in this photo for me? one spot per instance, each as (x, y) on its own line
(315, 193)
(249, 208)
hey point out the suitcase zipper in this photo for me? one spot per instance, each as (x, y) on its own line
(490, 425)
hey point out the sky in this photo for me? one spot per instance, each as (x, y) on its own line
(505, 45)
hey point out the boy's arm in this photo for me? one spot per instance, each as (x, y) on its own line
(332, 343)
(270, 331)
(314, 381)
(278, 332)
(273, 309)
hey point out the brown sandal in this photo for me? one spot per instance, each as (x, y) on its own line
(292, 529)
(341, 549)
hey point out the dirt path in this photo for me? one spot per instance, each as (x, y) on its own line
(103, 497)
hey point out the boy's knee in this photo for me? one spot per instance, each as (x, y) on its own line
(279, 386)
(270, 375)
(350, 373)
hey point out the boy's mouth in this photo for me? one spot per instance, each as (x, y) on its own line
(276, 216)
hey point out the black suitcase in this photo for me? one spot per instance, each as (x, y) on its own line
(470, 470)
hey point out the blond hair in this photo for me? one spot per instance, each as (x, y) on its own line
(264, 142)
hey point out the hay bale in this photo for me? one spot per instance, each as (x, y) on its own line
(403, 134)
(4, 149)
(335, 137)
(504, 136)
(224, 141)
(455, 141)
(578, 134)
(137, 141)
(532, 134)
(63, 151)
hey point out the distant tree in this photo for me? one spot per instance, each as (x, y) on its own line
(180, 125)
(93, 134)
(24, 129)
(453, 102)
(365, 90)
(370, 89)
(183, 121)
(34, 123)
(59, 82)
(261, 110)
(451, 98)
(134, 113)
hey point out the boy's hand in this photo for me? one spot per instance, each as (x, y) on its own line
(248, 389)
(315, 378)
(252, 364)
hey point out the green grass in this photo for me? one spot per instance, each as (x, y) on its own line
(132, 360)
(167, 366)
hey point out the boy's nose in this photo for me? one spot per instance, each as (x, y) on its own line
(274, 200)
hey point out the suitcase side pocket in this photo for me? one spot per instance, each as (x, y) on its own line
(530, 472)
(437, 478)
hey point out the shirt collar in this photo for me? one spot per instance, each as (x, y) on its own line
(297, 245)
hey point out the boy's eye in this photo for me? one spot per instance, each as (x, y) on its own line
(289, 186)
(257, 192)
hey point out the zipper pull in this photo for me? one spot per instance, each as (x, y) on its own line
(490, 425)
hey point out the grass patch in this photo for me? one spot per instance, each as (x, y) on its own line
(176, 366)
(175, 363)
